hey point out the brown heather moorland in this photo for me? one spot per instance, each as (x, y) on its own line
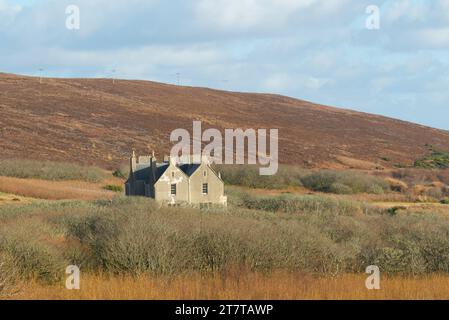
(96, 122)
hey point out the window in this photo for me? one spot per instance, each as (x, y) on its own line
(173, 174)
(173, 189)
(205, 173)
(205, 188)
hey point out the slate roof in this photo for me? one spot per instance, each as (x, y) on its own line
(189, 169)
(143, 171)
(160, 169)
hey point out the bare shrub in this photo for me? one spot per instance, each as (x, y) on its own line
(344, 182)
(397, 185)
(8, 276)
(136, 236)
(318, 234)
(248, 176)
(435, 193)
(33, 260)
(48, 170)
(301, 204)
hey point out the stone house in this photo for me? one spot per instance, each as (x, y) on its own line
(175, 182)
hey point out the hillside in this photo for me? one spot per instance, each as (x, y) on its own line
(93, 121)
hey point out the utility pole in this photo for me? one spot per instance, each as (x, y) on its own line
(41, 70)
(113, 78)
(178, 78)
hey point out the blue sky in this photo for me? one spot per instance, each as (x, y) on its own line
(317, 50)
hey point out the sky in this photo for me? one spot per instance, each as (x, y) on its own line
(316, 50)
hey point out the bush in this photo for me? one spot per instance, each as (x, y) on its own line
(340, 188)
(397, 185)
(133, 235)
(320, 181)
(248, 176)
(113, 188)
(344, 182)
(171, 241)
(8, 275)
(48, 170)
(435, 193)
(302, 204)
(33, 260)
(436, 160)
(122, 173)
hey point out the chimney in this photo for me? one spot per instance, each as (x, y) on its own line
(132, 164)
(172, 160)
(153, 163)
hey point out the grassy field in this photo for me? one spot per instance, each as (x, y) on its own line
(301, 238)
(244, 285)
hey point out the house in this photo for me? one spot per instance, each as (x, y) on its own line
(175, 182)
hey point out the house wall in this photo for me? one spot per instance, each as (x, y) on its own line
(135, 188)
(173, 175)
(204, 174)
(188, 190)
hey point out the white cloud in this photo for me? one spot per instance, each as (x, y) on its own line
(406, 10)
(237, 14)
(269, 16)
(286, 82)
(8, 12)
(433, 37)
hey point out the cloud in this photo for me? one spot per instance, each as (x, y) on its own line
(8, 12)
(317, 50)
(435, 38)
(228, 15)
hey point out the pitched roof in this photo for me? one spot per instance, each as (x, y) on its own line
(189, 169)
(160, 169)
(143, 171)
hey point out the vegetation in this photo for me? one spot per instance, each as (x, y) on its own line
(344, 182)
(135, 236)
(436, 160)
(289, 203)
(122, 172)
(8, 276)
(322, 181)
(241, 284)
(48, 170)
(248, 176)
(271, 235)
(114, 188)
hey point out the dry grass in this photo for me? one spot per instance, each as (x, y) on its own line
(6, 198)
(248, 286)
(54, 190)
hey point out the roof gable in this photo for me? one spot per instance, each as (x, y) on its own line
(189, 169)
(143, 172)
